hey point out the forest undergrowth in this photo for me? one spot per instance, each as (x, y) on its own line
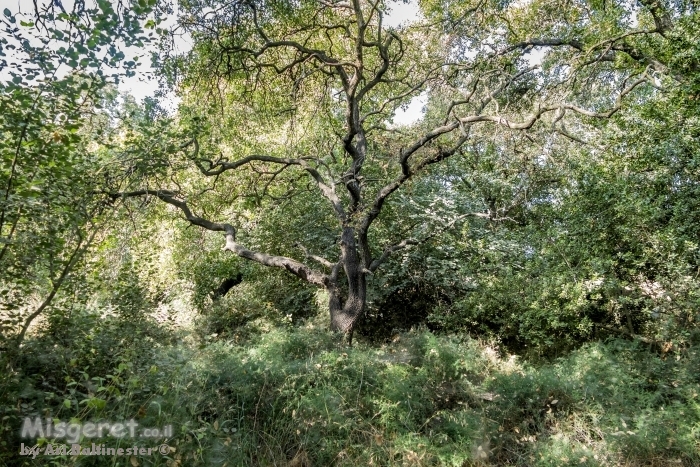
(293, 396)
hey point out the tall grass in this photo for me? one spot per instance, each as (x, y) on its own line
(294, 397)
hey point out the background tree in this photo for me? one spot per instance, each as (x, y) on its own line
(59, 65)
(594, 249)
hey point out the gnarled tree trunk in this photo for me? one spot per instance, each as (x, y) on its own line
(345, 312)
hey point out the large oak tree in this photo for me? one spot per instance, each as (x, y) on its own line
(280, 96)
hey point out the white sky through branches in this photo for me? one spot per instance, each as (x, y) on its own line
(141, 85)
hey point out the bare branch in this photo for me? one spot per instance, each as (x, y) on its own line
(80, 249)
(550, 42)
(218, 167)
(465, 123)
(295, 267)
(389, 250)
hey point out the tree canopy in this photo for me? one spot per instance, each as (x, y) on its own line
(284, 142)
(287, 110)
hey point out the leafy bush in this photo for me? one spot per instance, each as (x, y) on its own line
(294, 393)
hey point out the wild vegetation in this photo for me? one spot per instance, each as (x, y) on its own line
(262, 257)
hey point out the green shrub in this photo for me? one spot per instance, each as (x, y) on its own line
(424, 400)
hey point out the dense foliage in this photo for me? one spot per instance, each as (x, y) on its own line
(519, 265)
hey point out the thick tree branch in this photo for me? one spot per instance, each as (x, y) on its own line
(295, 267)
(384, 53)
(389, 250)
(464, 123)
(543, 42)
(662, 18)
(609, 45)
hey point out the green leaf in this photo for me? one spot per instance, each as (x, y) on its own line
(96, 403)
(7, 12)
(66, 403)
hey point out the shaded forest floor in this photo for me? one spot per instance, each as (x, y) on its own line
(293, 397)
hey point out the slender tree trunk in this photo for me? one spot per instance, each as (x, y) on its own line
(80, 249)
